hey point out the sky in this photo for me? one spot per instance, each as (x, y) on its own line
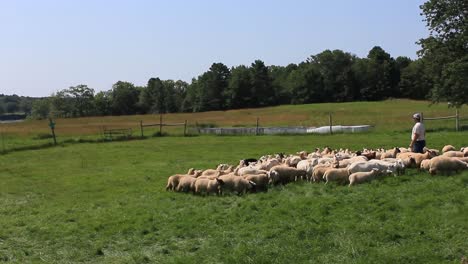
(49, 45)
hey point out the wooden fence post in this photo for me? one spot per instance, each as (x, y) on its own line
(185, 128)
(457, 121)
(52, 127)
(141, 127)
(160, 124)
(330, 121)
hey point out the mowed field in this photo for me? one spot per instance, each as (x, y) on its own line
(106, 202)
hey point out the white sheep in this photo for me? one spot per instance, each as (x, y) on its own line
(446, 165)
(307, 166)
(360, 177)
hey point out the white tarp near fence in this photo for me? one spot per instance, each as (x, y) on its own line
(283, 130)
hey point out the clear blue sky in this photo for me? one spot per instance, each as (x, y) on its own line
(50, 45)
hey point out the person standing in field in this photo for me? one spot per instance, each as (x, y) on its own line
(418, 135)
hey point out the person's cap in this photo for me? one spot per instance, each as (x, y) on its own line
(417, 116)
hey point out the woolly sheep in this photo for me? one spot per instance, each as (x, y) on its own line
(390, 153)
(447, 148)
(260, 180)
(318, 171)
(235, 184)
(360, 177)
(208, 186)
(307, 166)
(250, 170)
(173, 181)
(425, 165)
(454, 153)
(340, 175)
(283, 174)
(186, 184)
(446, 165)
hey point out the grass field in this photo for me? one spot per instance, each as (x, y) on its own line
(106, 203)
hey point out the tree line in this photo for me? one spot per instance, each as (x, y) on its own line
(330, 76)
(439, 74)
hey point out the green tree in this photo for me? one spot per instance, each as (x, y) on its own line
(280, 82)
(238, 94)
(336, 70)
(124, 98)
(262, 90)
(152, 99)
(40, 109)
(103, 103)
(413, 81)
(446, 49)
(306, 84)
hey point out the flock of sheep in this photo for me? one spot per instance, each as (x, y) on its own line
(325, 164)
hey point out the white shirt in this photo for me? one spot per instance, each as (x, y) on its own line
(420, 130)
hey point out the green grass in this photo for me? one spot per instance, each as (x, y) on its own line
(106, 203)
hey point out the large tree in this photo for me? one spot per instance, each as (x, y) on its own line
(124, 98)
(446, 49)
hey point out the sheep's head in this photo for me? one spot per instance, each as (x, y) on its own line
(273, 176)
(251, 185)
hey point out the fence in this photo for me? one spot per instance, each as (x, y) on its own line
(161, 125)
(117, 132)
(456, 117)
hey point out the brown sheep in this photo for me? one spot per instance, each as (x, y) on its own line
(208, 186)
(237, 184)
(186, 184)
(284, 174)
(340, 175)
(260, 180)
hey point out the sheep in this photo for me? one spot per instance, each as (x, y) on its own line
(268, 164)
(307, 166)
(418, 157)
(222, 167)
(394, 167)
(235, 184)
(425, 165)
(208, 186)
(318, 171)
(360, 177)
(292, 161)
(454, 153)
(390, 153)
(260, 180)
(173, 181)
(332, 174)
(446, 165)
(186, 184)
(368, 166)
(219, 171)
(250, 170)
(447, 148)
(283, 174)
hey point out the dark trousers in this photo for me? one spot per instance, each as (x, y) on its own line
(419, 146)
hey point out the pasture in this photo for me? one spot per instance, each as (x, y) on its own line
(106, 203)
